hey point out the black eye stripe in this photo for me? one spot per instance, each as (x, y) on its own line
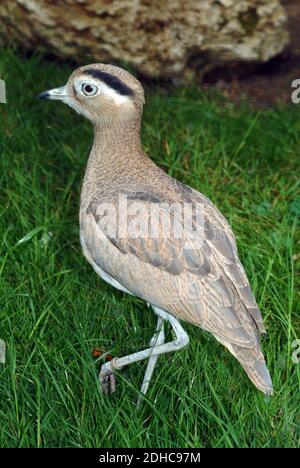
(111, 81)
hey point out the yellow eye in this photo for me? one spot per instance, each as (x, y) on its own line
(89, 89)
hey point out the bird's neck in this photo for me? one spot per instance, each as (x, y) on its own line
(116, 154)
(116, 145)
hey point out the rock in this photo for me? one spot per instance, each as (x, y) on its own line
(174, 38)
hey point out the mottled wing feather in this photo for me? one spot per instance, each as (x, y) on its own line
(219, 280)
(233, 269)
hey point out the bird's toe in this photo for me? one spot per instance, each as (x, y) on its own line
(107, 382)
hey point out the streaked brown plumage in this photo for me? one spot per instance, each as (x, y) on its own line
(204, 283)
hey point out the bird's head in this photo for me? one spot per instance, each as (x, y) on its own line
(102, 93)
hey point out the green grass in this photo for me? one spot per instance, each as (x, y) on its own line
(54, 309)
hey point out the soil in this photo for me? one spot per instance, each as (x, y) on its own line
(270, 83)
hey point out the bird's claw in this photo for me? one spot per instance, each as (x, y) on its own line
(107, 382)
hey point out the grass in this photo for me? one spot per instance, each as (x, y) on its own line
(54, 309)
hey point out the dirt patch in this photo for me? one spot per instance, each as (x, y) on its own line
(270, 83)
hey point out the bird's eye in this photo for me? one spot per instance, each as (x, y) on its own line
(89, 89)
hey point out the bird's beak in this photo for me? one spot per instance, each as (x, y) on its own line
(56, 93)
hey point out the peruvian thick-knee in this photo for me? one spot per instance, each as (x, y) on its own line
(196, 277)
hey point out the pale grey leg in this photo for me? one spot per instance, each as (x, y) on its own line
(180, 342)
(156, 340)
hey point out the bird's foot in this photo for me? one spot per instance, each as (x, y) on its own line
(107, 377)
(107, 382)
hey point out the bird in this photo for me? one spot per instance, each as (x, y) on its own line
(133, 232)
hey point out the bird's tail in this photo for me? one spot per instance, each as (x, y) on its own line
(252, 360)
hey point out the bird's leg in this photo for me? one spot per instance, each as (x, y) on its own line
(156, 340)
(181, 341)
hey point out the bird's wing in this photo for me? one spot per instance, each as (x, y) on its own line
(232, 267)
(203, 255)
